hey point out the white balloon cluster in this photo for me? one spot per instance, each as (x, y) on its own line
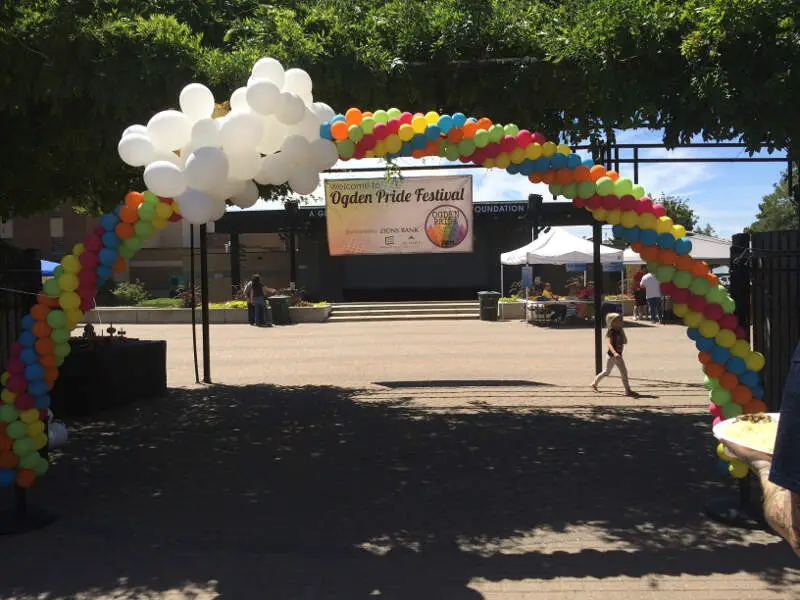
(270, 136)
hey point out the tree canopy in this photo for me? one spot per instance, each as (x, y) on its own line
(681, 213)
(76, 72)
(777, 211)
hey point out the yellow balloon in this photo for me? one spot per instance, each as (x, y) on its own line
(29, 416)
(709, 328)
(678, 231)
(78, 249)
(35, 428)
(517, 155)
(647, 221)
(502, 160)
(614, 217)
(163, 210)
(755, 361)
(68, 282)
(741, 349)
(533, 151)
(664, 225)
(74, 316)
(406, 132)
(564, 149)
(721, 453)
(601, 214)
(548, 149)
(159, 223)
(629, 219)
(680, 310)
(70, 264)
(432, 118)
(40, 441)
(693, 319)
(725, 338)
(737, 469)
(4, 377)
(488, 163)
(69, 300)
(418, 124)
(7, 396)
(394, 143)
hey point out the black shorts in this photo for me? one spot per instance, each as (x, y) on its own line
(640, 297)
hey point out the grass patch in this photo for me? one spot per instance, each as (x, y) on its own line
(160, 303)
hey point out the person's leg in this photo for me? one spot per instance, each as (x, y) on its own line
(251, 313)
(660, 308)
(604, 373)
(623, 371)
(259, 313)
(653, 310)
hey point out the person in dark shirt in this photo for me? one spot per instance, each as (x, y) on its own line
(615, 340)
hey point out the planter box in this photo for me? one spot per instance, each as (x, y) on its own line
(161, 316)
(310, 314)
(511, 310)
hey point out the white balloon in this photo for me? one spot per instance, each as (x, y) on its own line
(164, 179)
(309, 126)
(304, 181)
(263, 96)
(197, 101)
(323, 111)
(290, 109)
(135, 149)
(170, 157)
(241, 132)
(269, 68)
(324, 154)
(135, 129)
(228, 189)
(244, 165)
(298, 82)
(205, 132)
(219, 210)
(196, 207)
(169, 130)
(274, 170)
(206, 168)
(273, 136)
(248, 196)
(239, 100)
(297, 149)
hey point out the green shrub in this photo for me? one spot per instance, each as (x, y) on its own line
(130, 293)
(161, 303)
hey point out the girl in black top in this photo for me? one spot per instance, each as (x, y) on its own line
(615, 340)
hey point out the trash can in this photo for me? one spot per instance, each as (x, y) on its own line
(488, 302)
(279, 306)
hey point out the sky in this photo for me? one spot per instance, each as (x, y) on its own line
(724, 195)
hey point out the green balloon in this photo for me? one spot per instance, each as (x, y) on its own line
(665, 273)
(720, 396)
(496, 133)
(700, 286)
(150, 198)
(59, 361)
(134, 243)
(443, 148)
(682, 279)
(41, 466)
(8, 413)
(652, 266)
(586, 189)
(715, 294)
(731, 409)
(570, 190)
(29, 461)
(58, 271)
(481, 138)
(62, 350)
(355, 133)
(24, 446)
(51, 288)
(511, 130)
(143, 229)
(17, 430)
(346, 148)
(728, 305)
(623, 186)
(394, 113)
(452, 152)
(126, 251)
(710, 383)
(146, 212)
(605, 186)
(555, 189)
(368, 124)
(381, 116)
(56, 319)
(637, 191)
(60, 335)
(466, 147)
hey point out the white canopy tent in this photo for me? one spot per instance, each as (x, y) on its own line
(704, 247)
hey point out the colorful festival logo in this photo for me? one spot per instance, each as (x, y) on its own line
(446, 226)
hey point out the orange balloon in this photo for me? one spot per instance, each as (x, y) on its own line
(581, 173)
(6, 443)
(8, 460)
(40, 312)
(46, 300)
(700, 268)
(339, 130)
(637, 247)
(128, 214)
(712, 279)
(754, 406)
(124, 230)
(713, 370)
(418, 153)
(119, 265)
(353, 116)
(3, 428)
(684, 263)
(564, 176)
(729, 381)
(613, 175)
(44, 346)
(535, 178)
(51, 373)
(596, 172)
(469, 128)
(649, 253)
(704, 357)
(667, 256)
(549, 176)
(41, 329)
(48, 360)
(741, 394)
(455, 135)
(134, 199)
(432, 148)
(484, 123)
(25, 478)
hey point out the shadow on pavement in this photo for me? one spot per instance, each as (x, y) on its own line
(294, 493)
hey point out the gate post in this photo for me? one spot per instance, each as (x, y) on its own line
(740, 280)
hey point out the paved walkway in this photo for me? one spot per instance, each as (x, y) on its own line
(407, 461)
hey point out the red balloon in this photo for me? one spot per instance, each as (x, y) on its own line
(99, 231)
(697, 303)
(681, 296)
(87, 303)
(594, 202)
(369, 141)
(479, 156)
(659, 210)
(524, 138)
(492, 150)
(644, 205)
(464, 159)
(740, 333)
(627, 203)
(716, 421)
(728, 322)
(92, 243)
(610, 202)
(539, 138)
(88, 259)
(508, 143)
(667, 288)
(380, 131)
(166, 200)
(393, 125)
(15, 365)
(715, 410)
(175, 217)
(86, 278)
(23, 401)
(17, 383)
(713, 312)
(43, 415)
(579, 202)
(406, 118)
(15, 349)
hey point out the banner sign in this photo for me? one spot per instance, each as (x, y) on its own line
(612, 267)
(411, 215)
(575, 267)
(527, 277)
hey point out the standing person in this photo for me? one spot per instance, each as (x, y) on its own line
(780, 474)
(652, 291)
(616, 340)
(251, 310)
(639, 295)
(258, 298)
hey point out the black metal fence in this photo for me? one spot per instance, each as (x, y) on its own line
(765, 283)
(20, 280)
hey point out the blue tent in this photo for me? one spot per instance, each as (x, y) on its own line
(48, 267)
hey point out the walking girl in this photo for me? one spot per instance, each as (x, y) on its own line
(616, 340)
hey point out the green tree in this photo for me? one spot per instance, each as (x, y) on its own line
(679, 211)
(777, 210)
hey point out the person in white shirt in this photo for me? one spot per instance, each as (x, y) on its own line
(652, 290)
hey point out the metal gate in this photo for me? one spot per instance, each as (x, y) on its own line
(20, 280)
(765, 283)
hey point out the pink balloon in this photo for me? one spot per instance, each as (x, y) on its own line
(644, 205)
(697, 303)
(610, 202)
(492, 150)
(659, 210)
(728, 322)
(99, 231)
(15, 365)
(86, 277)
(17, 383)
(508, 143)
(393, 125)
(23, 401)
(667, 288)
(715, 410)
(740, 333)
(380, 131)
(594, 202)
(43, 415)
(406, 118)
(716, 421)
(369, 141)
(524, 138)
(87, 303)
(539, 138)
(627, 203)
(479, 156)
(15, 349)
(88, 259)
(680, 296)
(92, 243)
(713, 312)
(579, 202)
(419, 114)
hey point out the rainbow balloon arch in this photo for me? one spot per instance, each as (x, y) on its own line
(730, 366)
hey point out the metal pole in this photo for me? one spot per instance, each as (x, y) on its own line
(204, 300)
(636, 164)
(193, 300)
(236, 268)
(597, 232)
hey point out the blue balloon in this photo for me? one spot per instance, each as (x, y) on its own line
(573, 161)
(117, 209)
(736, 365)
(103, 272)
(445, 123)
(472, 120)
(41, 401)
(648, 237)
(407, 149)
(618, 231)
(693, 333)
(632, 234)
(27, 322)
(109, 221)
(27, 339)
(526, 168)
(432, 132)
(37, 388)
(459, 119)
(587, 162)
(337, 118)
(682, 246)
(541, 164)
(720, 355)
(110, 240)
(704, 344)
(7, 477)
(512, 169)
(418, 141)
(723, 467)
(29, 356)
(107, 256)
(749, 378)
(34, 372)
(758, 392)
(325, 131)
(558, 161)
(666, 241)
